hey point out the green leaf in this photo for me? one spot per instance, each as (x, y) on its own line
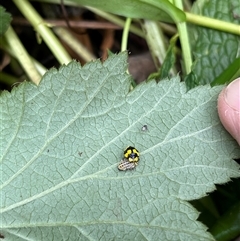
(227, 227)
(228, 74)
(191, 80)
(148, 9)
(168, 63)
(213, 50)
(5, 20)
(61, 143)
(170, 59)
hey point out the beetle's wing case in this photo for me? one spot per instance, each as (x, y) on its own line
(132, 154)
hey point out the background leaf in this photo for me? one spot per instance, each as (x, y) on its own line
(213, 50)
(61, 144)
(227, 227)
(5, 20)
(155, 10)
(228, 74)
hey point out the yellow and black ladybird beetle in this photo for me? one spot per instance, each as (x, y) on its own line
(131, 154)
(126, 165)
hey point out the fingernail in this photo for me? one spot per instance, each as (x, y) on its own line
(232, 95)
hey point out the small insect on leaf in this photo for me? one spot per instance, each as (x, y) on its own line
(126, 165)
(131, 154)
(144, 128)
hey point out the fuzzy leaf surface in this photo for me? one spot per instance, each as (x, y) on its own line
(61, 143)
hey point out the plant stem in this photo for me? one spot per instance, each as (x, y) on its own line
(184, 39)
(125, 34)
(156, 41)
(213, 23)
(22, 55)
(74, 43)
(37, 22)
